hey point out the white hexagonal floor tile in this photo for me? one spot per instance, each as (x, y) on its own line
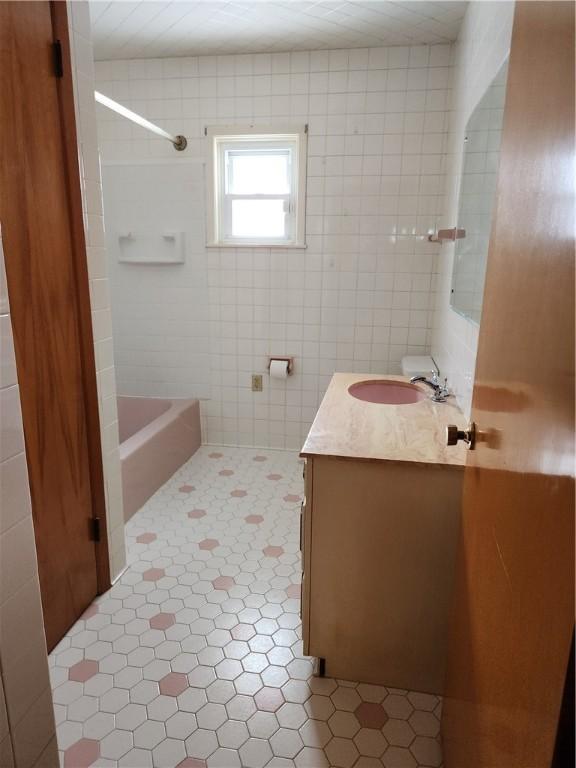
(204, 602)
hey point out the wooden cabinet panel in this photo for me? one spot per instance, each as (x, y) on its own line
(379, 564)
(306, 546)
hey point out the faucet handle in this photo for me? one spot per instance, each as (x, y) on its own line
(442, 392)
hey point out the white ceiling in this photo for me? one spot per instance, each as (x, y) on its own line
(149, 28)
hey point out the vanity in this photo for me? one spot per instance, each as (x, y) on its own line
(379, 530)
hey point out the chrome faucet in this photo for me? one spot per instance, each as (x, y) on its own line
(439, 391)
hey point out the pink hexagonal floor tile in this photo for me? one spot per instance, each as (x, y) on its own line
(146, 538)
(226, 472)
(272, 551)
(83, 670)
(162, 621)
(82, 753)
(192, 762)
(238, 493)
(269, 699)
(259, 458)
(371, 715)
(187, 488)
(215, 455)
(208, 544)
(273, 477)
(243, 632)
(293, 590)
(173, 684)
(223, 582)
(291, 497)
(196, 514)
(254, 519)
(92, 610)
(153, 574)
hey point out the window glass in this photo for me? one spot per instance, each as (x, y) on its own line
(258, 172)
(258, 218)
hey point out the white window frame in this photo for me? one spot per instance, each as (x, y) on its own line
(227, 138)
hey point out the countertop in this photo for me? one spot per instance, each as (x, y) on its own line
(348, 428)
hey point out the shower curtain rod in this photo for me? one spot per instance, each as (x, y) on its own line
(179, 142)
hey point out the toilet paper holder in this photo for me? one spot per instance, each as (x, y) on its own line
(289, 360)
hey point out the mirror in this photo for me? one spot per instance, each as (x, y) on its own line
(477, 197)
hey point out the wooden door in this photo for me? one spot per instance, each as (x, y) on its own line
(40, 211)
(514, 604)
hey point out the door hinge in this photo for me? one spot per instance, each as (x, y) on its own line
(57, 58)
(95, 528)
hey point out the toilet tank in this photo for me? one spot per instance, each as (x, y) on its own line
(418, 365)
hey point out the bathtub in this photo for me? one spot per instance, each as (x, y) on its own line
(156, 437)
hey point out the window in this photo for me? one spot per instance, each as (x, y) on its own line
(257, 183)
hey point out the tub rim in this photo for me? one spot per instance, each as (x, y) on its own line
(177, 406)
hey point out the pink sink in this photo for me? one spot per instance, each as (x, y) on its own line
(387, 391)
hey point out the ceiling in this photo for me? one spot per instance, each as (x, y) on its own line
(150, 28)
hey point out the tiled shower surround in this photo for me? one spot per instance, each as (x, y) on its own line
(357, 299)
(194, 657)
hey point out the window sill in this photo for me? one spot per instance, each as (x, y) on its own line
(253, 246)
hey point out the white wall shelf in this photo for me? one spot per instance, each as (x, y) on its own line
(167, 248)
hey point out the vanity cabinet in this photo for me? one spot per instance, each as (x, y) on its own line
(378, 537)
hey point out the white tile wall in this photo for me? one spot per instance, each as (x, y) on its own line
(160, 312)
(482, 46)
(27, 730)
(360, 297)
(83, 73)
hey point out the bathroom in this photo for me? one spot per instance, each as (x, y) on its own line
(273, 548)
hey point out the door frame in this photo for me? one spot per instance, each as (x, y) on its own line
(65, 89)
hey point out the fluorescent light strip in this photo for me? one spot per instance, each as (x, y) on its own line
(179, 142)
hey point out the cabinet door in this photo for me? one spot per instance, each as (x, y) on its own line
(379, 566)
(305, 547)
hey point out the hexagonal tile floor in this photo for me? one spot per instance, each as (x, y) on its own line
(194, 657)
